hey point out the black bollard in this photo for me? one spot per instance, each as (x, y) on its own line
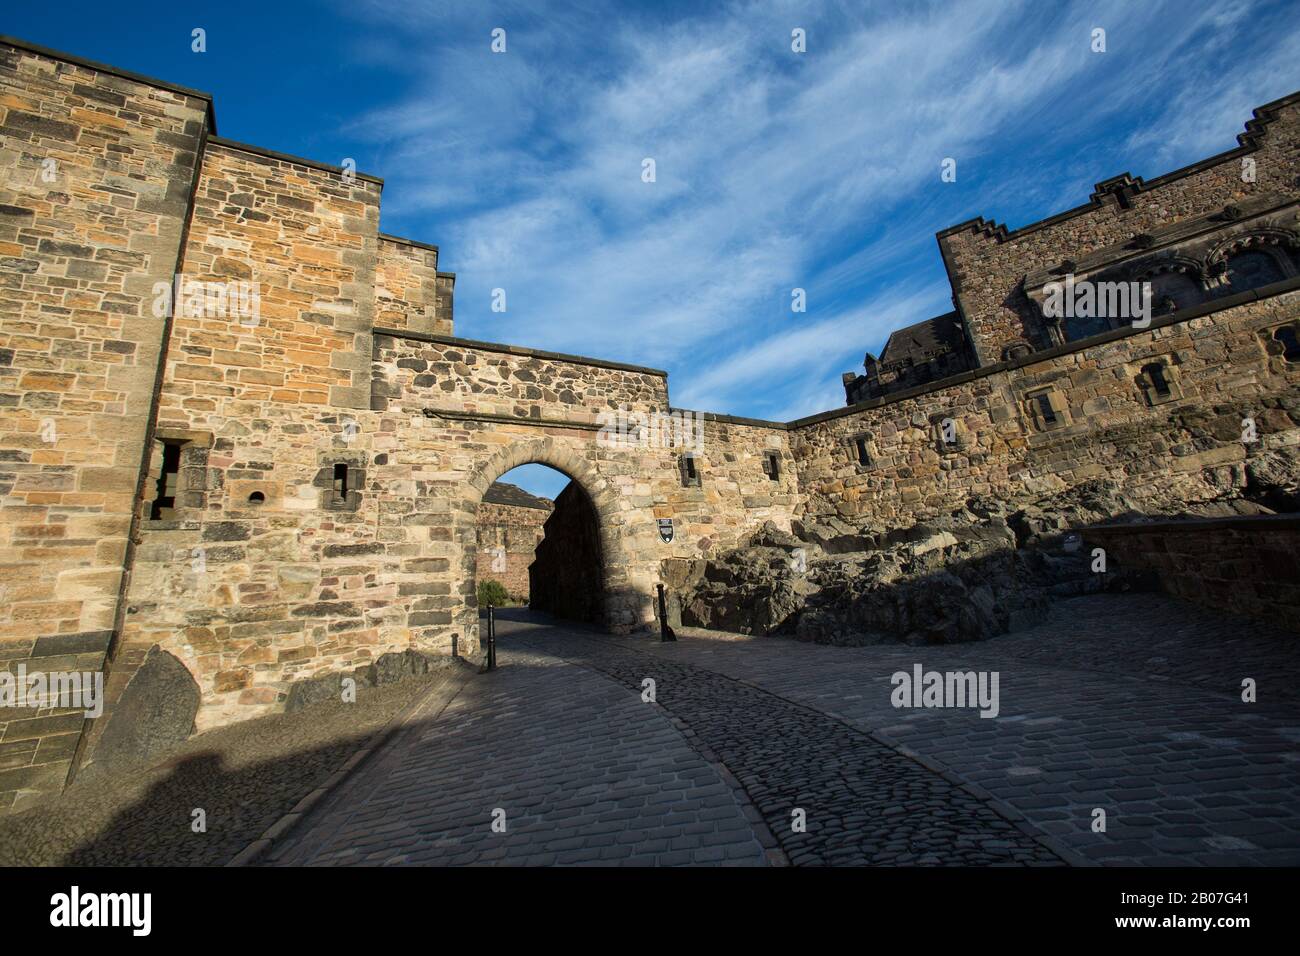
(665, 632)
(492, 638)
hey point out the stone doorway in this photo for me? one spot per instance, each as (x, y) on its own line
(539, 546)
(580, 569)
(566, 578)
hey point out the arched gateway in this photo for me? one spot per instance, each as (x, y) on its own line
(621, 609)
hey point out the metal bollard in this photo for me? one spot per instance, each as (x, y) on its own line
(665, 632)
(492, 638)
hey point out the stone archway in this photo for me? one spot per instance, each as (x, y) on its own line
(621, 602)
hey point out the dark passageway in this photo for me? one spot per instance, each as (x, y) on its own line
(565, 578)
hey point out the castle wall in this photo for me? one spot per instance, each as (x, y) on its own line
(332, 443)
(1249, 566)
(254, 595)
(411, 294)
(986, 263)
(456, 415)
(508, 536)
(736, 496)
(249, 593)
(96, 169)
(1187, 448)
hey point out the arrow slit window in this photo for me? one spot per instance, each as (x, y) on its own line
(168, 485)
(1048, 409)
(772, 465)
(690, 471)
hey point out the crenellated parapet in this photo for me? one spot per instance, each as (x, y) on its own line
(993, 270)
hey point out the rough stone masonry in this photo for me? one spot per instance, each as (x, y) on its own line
(510, 527)
(277, 477)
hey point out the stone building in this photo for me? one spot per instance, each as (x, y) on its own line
(510, 528)
(921, 353)
(240, 441)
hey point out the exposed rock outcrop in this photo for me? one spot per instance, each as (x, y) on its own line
(979, 571)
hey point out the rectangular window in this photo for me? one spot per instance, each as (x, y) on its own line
(1156, 373)
(340, 482)
(1048, 409)
(864, 455)
(690, 472)
(164, 502)
(772, 465)
(1045, 408)
(1159, 384)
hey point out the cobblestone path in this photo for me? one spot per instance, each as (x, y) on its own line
(862, 802)
(583, 770)
(1096, 713)
(1129, 704)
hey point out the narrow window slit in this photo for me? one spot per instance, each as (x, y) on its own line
(1156, 376)
(772, 465)
(1045, 408)
(165, 494)
(864, 456)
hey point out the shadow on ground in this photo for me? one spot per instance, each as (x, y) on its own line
(243, 778)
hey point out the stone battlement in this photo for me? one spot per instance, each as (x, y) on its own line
(1196, 234)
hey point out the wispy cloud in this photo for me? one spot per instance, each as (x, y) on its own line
(774, 170)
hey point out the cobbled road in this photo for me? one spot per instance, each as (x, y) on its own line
(767, 751)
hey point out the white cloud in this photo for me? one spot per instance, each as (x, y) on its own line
(774, 170)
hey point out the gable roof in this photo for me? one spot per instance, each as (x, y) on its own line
(922, 341)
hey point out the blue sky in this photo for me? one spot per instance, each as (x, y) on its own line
(774, 170)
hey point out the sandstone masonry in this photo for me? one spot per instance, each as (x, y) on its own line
(510, 527)
(287, 482)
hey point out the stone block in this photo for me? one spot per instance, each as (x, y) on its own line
(153, 716)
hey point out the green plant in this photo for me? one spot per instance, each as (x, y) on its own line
(492, 593)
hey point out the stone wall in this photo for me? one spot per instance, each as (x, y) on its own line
(735, 494)
(457, 414)
(1186, 447)
(96, 169)
(411, 294)
(37, 744)
(1247, 565)
(258, 576)
(508, 536)
(986, 263)
(255, 595)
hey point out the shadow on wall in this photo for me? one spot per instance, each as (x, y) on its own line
(243, 777)
(1249, 565)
